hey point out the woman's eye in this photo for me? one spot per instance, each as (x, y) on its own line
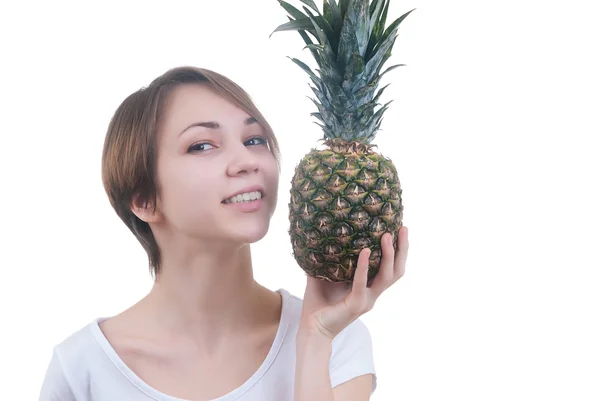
(200, 147)
(256, 141)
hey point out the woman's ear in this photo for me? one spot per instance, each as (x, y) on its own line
(144, 211)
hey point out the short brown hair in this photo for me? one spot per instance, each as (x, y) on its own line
(130, 147)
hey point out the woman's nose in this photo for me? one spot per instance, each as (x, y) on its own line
(243, 162)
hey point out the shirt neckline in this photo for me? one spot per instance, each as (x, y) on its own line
(232, 395)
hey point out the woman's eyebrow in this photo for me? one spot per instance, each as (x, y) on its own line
(215, 125)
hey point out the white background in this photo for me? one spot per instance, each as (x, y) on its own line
(493, 129)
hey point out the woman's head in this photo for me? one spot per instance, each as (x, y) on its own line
(176, 150)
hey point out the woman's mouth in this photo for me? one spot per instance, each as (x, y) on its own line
(246, 197)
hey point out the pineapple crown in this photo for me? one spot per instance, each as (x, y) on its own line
(352, 46)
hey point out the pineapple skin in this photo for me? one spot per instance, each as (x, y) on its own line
(343, 199)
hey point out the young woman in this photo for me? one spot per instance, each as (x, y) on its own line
(191, 167)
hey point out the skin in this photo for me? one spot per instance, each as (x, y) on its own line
(193, 336)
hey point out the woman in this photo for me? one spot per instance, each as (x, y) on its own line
(191, 167)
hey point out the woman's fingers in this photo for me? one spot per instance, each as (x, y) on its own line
(402, 254)
(385, 275)
(359, 282)
(358, 299)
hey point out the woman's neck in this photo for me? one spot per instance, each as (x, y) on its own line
(209, 297)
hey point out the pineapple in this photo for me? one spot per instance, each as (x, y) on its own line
(346, 196)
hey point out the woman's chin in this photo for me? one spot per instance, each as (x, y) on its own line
(227, 235)
(249, 234)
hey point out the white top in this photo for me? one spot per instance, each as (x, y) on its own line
(85, 367)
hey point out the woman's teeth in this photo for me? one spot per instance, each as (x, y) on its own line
(246, 197)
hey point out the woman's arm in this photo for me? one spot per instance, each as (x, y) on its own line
(313, 382)
(312, 368)
(328, 309)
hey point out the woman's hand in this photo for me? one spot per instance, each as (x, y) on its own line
(328, 307)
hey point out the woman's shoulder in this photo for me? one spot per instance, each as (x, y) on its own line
(72, 359)
(294, 301)
(78, 341)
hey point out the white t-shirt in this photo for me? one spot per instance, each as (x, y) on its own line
(85, 367)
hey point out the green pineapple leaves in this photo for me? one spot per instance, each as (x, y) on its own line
(366, 19)
(311, 4)
(378, 26)
(392, 29)
(332, 12)
(351, 44)
(358, 22)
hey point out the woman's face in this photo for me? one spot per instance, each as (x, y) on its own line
(217, 177)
